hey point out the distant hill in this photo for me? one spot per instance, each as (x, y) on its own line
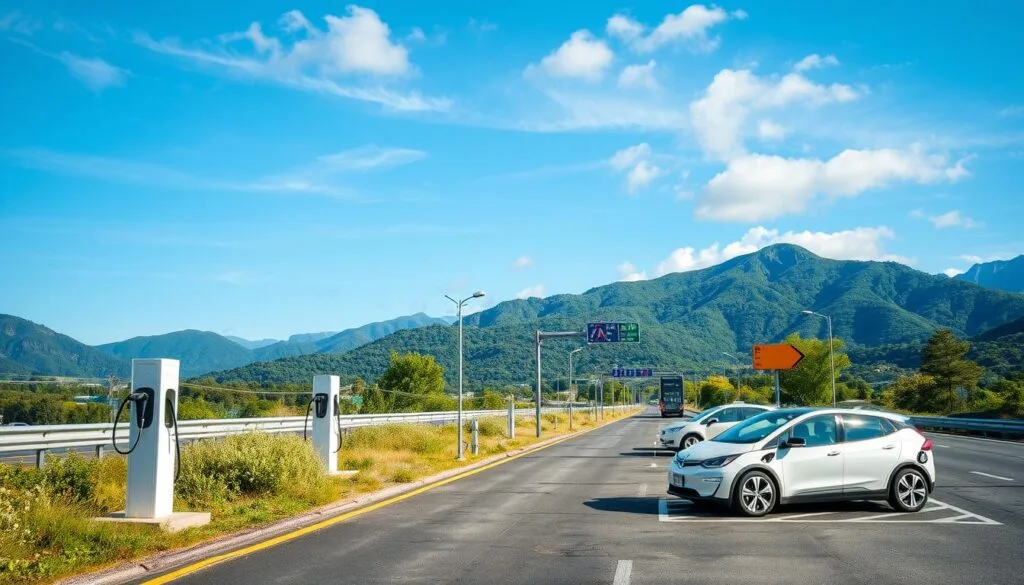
(687, 319)
(252, 344)
(353, 338)
(30, 348)
(199, 351)
(311, 337)
(1001, 274)
(204, 351)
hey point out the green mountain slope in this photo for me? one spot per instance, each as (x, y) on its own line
(199, 351)
(27, 347)
(688, 319)
(353, 338)
(1001, 274)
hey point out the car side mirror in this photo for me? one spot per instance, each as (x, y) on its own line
(710, 422)
(794, 442)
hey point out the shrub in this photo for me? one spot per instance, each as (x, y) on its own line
(493, 427)
(250, 464)
(396, 437)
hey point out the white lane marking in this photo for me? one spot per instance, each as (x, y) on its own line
(622, 573)
(943, 446)
(642, 490)
(654, 464)
(680, 511)
(992, 476)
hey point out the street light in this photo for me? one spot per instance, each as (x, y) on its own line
(831, 357)
(572, 397)
(459, 304)
(738, 362)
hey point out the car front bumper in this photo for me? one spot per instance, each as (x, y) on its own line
(696, 482)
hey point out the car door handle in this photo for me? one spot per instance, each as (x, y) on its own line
(833, 453)
(887, 447)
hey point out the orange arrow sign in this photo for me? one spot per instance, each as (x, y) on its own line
(777, 356)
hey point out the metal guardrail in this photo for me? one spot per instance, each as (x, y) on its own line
(43, 438)
(986, 426)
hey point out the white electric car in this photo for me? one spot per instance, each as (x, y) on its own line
(808, 455)
(707, 424)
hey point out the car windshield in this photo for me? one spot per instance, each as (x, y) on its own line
(756, 428)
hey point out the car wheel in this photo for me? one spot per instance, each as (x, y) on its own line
(690, 441)
(756, 495)
(909, 491)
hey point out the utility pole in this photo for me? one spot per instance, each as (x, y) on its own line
(111, 384)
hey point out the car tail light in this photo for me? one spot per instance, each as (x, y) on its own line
(927, 442)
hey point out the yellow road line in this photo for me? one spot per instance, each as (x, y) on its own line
(200, 565)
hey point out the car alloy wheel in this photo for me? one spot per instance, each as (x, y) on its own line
(909, 492)
(690, 441)
(756, 494)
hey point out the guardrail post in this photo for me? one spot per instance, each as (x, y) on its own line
(99, 451)
(512, 419)
(40, 458)
(476, 437)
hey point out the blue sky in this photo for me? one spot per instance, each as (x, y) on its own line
(267, 168)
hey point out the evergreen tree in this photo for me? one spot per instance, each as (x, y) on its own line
(943, 358)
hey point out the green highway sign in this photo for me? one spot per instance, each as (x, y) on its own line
(613, 332)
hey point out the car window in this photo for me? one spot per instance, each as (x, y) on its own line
(862, 428)
(749, 412)
(816, 431)
(729, 415)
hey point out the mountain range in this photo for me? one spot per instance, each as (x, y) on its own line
(29, 348)
(687, 320)
(1001, 274)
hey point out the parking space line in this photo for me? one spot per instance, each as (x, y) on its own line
(992, 476)
(679, 511)
(623, 571)
(642, 490)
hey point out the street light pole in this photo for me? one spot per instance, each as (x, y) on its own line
(831, 351)
(572, 395)
(459, 304)
(737, 371)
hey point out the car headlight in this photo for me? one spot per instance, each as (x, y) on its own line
(719, 461)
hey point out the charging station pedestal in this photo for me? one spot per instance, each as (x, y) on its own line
(151, 463)
(325, 425)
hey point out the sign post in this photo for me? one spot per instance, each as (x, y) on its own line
(775, 357)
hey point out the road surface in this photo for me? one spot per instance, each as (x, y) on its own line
(594, 510)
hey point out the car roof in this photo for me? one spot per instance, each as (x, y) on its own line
(803, 410)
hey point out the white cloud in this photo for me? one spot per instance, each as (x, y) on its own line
(953, 219)
(630, 273)
(1012, 111)
(689, 28)
(769, 130)
(624, 27)
(815, 61)
(17, 23)
(369, 157)
(94, 72)
(863, 243)
(523, 262)
(972, 259)
(638, 77)
(319, 177)
(601, 110)
(626, 157)
(719, 116)
(641, 170)
(951, 272)
(358, 44)
(757, 187)
(583, 56)
(642, 175)
(532, 291)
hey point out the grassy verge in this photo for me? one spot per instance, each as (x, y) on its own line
(244, 481)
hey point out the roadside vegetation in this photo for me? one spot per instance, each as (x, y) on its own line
(243, 480)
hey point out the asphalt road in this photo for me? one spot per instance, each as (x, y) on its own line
(594, 510)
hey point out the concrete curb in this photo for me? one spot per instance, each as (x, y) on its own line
(165, 561)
